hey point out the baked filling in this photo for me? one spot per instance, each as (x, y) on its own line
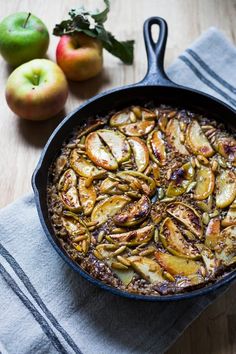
(144, 199)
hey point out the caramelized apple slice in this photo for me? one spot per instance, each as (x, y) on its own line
(226, 146)
(230, 218)
(120, 118)
(108, 207)
(87, 196)
(117, 144)
(140, 151)
(83, 167)
(139, 128)
(156, 147)
(72, 226)
(180, 180)
(147, 268)
(135, 237)
(98, 152)
(173, 133)
(212, 233)
(124, 275)
(196, 140)
(134, 213)
(147, 114)
(205, 183)
(175, 242)
(147, 184)
(225, 188)
(70, 199)
(67, 180)
(188, 216)
(211, 263)
(108, 185)
(226, 248)
(176, 265)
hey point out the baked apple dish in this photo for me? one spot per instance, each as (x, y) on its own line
(144, 199)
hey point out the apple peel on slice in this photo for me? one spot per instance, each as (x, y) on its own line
(108, 207)
(139, 128)
(67, 180)
(156, 147)
(187, 216)
(87, 196)
(174, 241)
(147, 184)
(226, 248)
(225, 188)
(134, 213)
(83, 167)
(120, 118)
(99, 153)
(70, 199)
(180, 180)
(212, 233)
(135, 237)
(230, 218)
(205, 179)
(140, 151)
(147, 268)
(197, 141)
(173, 132)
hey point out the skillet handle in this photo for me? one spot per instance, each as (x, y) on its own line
(155, 53)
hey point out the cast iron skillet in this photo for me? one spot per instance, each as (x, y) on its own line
(156, 87)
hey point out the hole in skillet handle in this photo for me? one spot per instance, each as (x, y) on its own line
(155, 53)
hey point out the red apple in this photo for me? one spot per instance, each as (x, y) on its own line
(79, 56)
(37, 90)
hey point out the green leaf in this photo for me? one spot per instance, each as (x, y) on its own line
(122, 50)
(102, 16)
(91, 24)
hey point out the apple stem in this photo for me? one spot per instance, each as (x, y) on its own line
(27, 19)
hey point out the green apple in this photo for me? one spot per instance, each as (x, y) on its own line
(23, 37)
(37, 90)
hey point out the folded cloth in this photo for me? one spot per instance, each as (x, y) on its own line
(47, 308)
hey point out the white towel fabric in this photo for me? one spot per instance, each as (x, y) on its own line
(47, 308)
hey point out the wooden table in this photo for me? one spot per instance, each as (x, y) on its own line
(21, 141)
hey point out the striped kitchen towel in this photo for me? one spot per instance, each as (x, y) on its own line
(46, 308)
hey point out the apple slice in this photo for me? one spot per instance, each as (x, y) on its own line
(212, 233)
(175, 242)
(226, 146)
(139, 128)
(124, 275)
(134, 213)
(225, 188)
(147, 114)
(197, 141)
(135, 237)
(226, 248)
(70, 199)
(205, 183)
(173, 133)
(98, 152)
(117, 144)
(156, 147)
(230, 218)
(176, 265)
(72, 226)
(187, 216)
(120, 118)
(180, 180)
(87, 196)
(147, 184)
(140, 151)
(108, 185)
(108, 207)
(67, 180)
(83, 167)
(147, 268)
(210, 261)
